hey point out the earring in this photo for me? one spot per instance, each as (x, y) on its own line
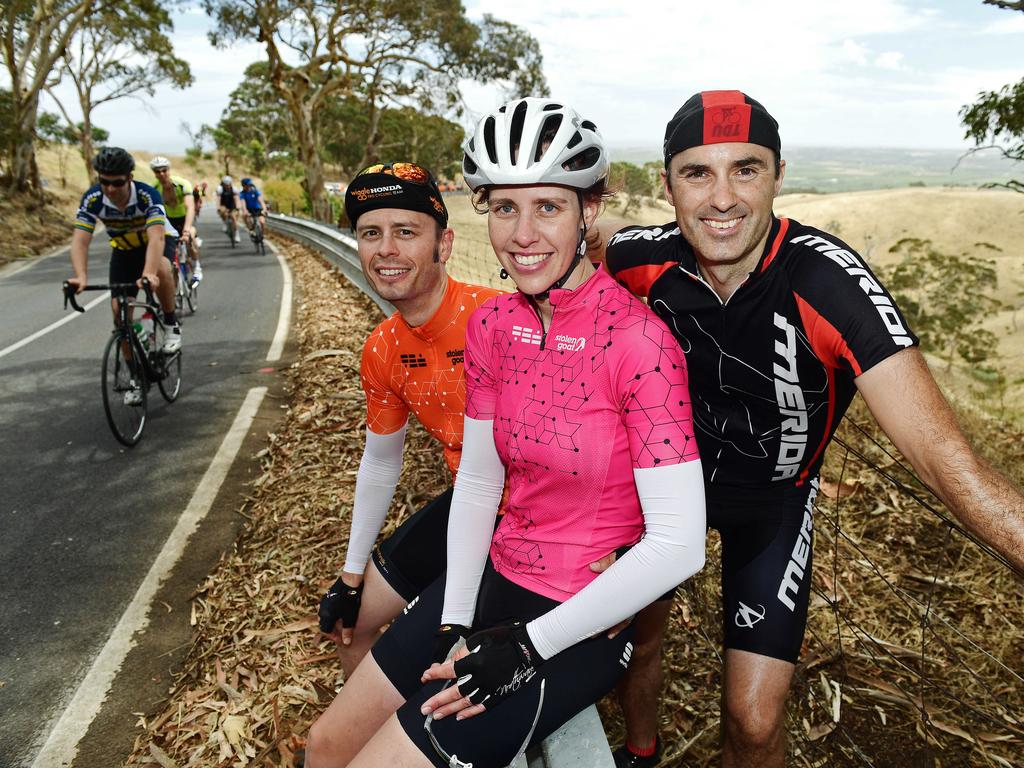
(503, 274)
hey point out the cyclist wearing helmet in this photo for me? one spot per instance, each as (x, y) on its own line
(782, 324)
(565, 379)
(255, 207)
(180, 207)
(411, 363)
(228, 205)
(141, 238)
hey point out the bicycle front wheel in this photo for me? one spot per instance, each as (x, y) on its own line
(188, 287)
(124, 390)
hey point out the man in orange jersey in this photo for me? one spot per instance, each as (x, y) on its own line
(412, 362)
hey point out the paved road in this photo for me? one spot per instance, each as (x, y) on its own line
(81, 517)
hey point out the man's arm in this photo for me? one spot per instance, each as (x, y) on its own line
(80, 240)
(905, 399)
(190, 216)
(154, 253)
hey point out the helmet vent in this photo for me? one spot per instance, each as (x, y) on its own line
(547, 135)
(588, 158)
(489, 144)
(588, 125)
(576, 139)
(468, 166)
(515, 135)
(551, 107)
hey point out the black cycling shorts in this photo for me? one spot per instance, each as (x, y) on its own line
(178, 223)
(412, 557)
(573, 680)
(767, 547)
(126, 266)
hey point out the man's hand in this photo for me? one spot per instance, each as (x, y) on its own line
(446, 638)
(339, 608)
(78, 282)
(152, 276)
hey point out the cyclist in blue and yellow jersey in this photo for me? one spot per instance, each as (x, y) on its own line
(228, 205)
(180, 207)
(255, 205)
(141, 237)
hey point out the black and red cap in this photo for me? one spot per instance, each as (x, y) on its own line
(407, 186)
(715, 117)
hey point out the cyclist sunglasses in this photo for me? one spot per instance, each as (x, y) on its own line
(112, 182)
(404, 171)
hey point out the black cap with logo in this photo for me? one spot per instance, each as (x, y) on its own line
(394, 185)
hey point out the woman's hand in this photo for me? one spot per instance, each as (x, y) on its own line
(450, 700)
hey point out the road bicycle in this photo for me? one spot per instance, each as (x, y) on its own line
(186, 287)
(256, 234)
(133, 360)
(232, 228)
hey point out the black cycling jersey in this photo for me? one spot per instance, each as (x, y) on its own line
(772, 369)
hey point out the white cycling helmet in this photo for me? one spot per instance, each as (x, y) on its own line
(534, 141)
(159, 162)
(226, 180)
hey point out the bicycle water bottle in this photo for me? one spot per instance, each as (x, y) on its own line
(146, 331)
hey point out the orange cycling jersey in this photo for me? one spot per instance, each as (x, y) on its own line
(421, 369)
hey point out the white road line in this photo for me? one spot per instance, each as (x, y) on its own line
(105, 296)
(283, 320)
(62, 745)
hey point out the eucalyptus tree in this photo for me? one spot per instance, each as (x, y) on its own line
(380, 52)
(118, 53)
(33, 36)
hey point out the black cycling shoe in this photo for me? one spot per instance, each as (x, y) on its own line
(626, 759)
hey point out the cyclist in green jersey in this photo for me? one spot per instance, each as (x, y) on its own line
(180, 206)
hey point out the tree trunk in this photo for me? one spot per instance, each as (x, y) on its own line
(24, 173)
(310, 157)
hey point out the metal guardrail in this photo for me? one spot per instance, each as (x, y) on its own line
(581, 742)
(338, 248)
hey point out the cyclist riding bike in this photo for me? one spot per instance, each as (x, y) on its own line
(141, 239)
(411, 363)
(228, 205)
(576, 393)
(180, 207)
(255, 207)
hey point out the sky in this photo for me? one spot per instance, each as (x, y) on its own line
(866, 73)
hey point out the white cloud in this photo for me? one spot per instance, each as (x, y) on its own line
(889, 60)
(855, 53)
(1010, 24)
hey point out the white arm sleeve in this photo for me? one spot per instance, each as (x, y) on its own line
(375, 486)
(671, 550)
(478, 487)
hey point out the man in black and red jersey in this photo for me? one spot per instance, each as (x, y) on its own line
(781, 324)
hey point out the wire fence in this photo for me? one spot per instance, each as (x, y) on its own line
(914, 647)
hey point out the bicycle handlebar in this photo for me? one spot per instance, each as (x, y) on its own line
(118, 289)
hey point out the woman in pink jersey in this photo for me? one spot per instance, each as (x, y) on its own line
(576, 394)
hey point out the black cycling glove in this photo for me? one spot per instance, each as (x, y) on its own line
(446, 638)
(500, 661)
(340, 602)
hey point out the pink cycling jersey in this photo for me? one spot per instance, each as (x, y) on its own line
(575, 410)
